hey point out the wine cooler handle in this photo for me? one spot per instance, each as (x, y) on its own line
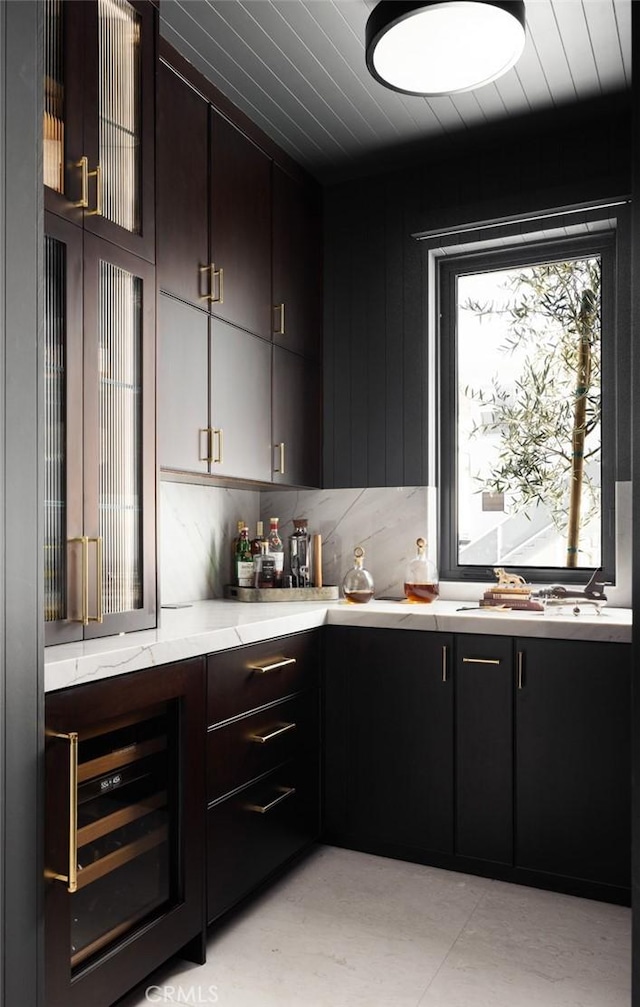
(71, 878)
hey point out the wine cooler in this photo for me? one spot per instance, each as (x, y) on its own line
(124, 827)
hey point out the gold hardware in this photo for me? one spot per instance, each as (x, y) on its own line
(280, 447)
(262, 669)
(214, 274)
(520, 666)
(481, 660)
(84, 618)
(220, 456)
(263, 808)
(99, 616)
(97, 174)
(83, 164)
(207, 456)
(279, 329)
(262, 738)
(71, 878)
(444, 664)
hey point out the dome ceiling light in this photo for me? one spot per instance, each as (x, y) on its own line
(443, 46)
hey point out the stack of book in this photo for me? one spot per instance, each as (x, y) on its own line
(512, 596)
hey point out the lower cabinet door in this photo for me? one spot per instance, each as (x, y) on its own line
(256, 830)
(484, 748)
(574, 759)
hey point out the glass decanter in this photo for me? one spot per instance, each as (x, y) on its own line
(421, 576)
(357, 586)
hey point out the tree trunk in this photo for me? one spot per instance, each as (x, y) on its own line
(585, 328)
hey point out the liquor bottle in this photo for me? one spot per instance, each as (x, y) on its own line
(234, 550)
(255, 542)
(299, 554)
(264, 567)
(276, 549)
(244, 559)
(421, 577)
(357, 586)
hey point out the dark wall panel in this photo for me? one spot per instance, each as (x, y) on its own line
(375, 431)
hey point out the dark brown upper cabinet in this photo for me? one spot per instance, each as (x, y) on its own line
(297, 265)
(240, 268)
(182, 214)
(99, 131)
(99, 430)
(296, 419)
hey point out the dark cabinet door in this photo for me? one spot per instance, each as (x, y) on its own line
(182, 216)
(240, 275)
(296, 412)
(573, 759)
(484, 748)
(297, 265)
(389, 738)
(64, 62)
(183, 386)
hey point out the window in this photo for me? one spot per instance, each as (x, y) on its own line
(526, 348)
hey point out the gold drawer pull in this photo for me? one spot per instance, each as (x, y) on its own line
(262, 738)
(262, 809)
(481, 660)
(262, 669)
(71, 878)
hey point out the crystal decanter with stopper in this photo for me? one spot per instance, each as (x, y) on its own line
(357, 586)
(421, 577)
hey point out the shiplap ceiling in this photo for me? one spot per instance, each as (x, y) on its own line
(297, 68)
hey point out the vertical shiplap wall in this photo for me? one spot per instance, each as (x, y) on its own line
(375, 364)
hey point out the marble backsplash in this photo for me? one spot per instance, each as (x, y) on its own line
(197, 525)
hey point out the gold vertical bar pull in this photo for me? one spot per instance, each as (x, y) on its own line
(219, 458)
(83, 164)
(444, 664)
(520, 669)
(208, 455)
(97, 174)
(99, 616)
(280, 449)
(84, 541)
(71, 878)
(216, 283)
(279, 328)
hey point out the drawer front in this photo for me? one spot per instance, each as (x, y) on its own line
(255, 831)
(247, 748)
(249, 677)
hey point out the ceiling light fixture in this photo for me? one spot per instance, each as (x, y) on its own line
(443, 46)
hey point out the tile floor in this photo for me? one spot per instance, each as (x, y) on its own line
(346, 929)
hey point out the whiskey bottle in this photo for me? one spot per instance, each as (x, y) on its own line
(264, 567)
(421, 577)
(255, 542)
(357, 586)
(276, 549)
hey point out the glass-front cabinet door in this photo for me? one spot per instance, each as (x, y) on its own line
(99, 561)
(99, 60)
(122, 859)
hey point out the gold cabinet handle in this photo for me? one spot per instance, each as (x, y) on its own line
(279, 328)
(99, 616)
(85, 540)
(207, 455)
(444, 664)
(84, 589)
(520, 668)
(215, 275)
(262, 809)
(83, 164)
(71, 878)
(97, 174)
(262, 739)
(219, 458)
(481, 660)
(280, 448)
(262, 669)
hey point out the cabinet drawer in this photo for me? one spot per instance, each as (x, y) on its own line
(253, 832)
(244, 679)
(247, 748)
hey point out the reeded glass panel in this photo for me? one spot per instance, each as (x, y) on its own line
(119, 111)
(55, 553)
(53, 96)
(120, 396)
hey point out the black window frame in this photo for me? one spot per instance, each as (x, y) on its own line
(525, 253)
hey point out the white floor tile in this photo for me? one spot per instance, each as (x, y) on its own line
(344, 929)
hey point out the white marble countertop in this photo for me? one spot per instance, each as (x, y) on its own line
(209, 626)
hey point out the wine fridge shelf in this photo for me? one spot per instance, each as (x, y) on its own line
(112, 861)
(120, 757)
(117, 819)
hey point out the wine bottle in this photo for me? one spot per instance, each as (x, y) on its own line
(276, 549)
(244, 559)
